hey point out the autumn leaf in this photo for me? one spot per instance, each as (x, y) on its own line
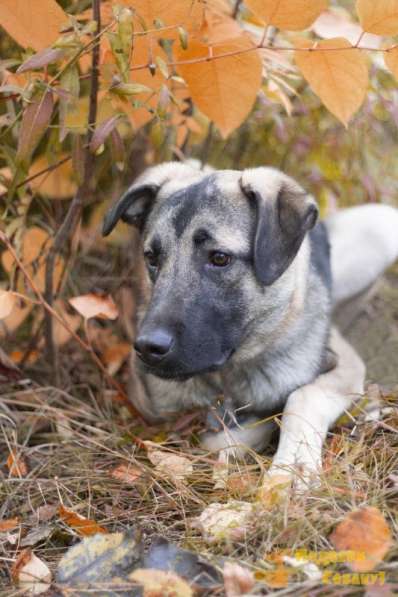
(7, 303)
(93, 305)
(102, 132)
(31, 573)
(363, 531)
(32, 24)
(41, 59)
(160, 583)
(83, 526)
(391, 61)
(114, 356)
(35, 121)
(379, 17)
(126, 473)
(338, 76)
(237, 580)
(225, 522)
(173, 466)
(224, 89)
(17, 466)
(9, 524)
(53, 184)
(293, 15)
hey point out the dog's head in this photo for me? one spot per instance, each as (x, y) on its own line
(213, 244)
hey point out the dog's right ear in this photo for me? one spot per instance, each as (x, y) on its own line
(132, 207)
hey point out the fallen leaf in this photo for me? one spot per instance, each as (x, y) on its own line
(83, 526)
(237, 580)
(157, 583)
(273, 488)
(293, 15)
(9, 524)
(36, 535)
(31, 574)
(7, 303)
(17, 465)
(32, 24)
(115, 356)
(339, 77)
(364, 531)
(379, 17)
(225, 522)
(99, 558)
(126, 473)
(224, 89)
(93, 305)
(163, 555)
(173, 466)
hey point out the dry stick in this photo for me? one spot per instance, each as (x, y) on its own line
(49, 309)
(235, 11)
(72, 218)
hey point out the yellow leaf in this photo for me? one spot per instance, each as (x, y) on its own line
(391, 61)
(224, 89)
(365, 532)
(378, 16)
(338, 76)
(294, 15)
(32, 24)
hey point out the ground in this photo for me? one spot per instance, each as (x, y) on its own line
(72, 440)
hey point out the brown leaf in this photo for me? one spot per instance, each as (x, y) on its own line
(126, 473)
(171, 465)
(293, 15)
(364, 531)
(102, 132)
(379, 17)
(115, 356)
(223, 89)
(158, 583)
(9, 524)
(32, 24)
(83, 526)
(237, 580)
(41, 59)
(35, 121)
(93, 305)
(339, 76)
(17, 465)
(32, 574)
(7, 303)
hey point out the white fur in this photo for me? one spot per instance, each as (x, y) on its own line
(364, 242)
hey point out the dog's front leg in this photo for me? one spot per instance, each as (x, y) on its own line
(313, 408)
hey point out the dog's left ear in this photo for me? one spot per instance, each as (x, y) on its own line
(285, 213)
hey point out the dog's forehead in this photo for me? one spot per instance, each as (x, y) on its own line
(212, 201)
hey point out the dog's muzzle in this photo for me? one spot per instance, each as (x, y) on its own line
(154, 346)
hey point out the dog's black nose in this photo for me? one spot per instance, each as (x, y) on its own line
(153, 346)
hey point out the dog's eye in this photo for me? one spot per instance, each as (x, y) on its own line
(219, 259)
(151, 258)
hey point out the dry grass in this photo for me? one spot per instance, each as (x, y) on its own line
(71, 441)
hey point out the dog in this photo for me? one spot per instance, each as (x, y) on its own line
(245, 280)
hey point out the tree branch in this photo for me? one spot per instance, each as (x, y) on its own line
(73, 215)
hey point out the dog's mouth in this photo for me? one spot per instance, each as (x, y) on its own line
(175, 373)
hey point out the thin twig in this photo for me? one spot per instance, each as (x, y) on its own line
(73, 215)
(235, 11)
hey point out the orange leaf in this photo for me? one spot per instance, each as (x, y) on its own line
(32, 24)
(379, 17)
(114, 356)
(224, 89)
(338, 76)
(126, 473)
(83, 526)
(8, 525)
(364, 531)
(7, 303)
(17, 466)
(93, 305)
(391, 61)
(293, 15)
(56, 184)
(33, 243)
